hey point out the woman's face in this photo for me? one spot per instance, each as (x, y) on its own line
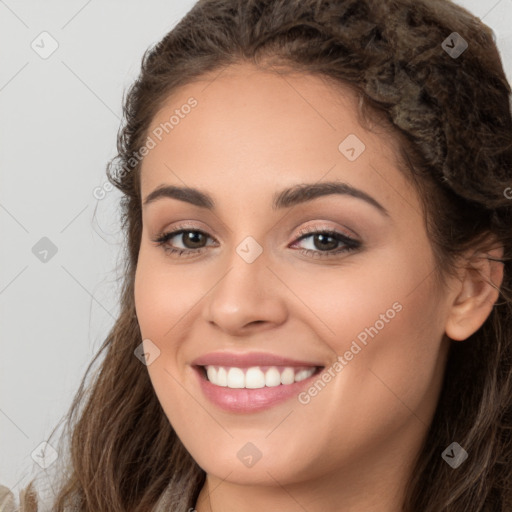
(258, 289)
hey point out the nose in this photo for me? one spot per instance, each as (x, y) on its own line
(248, 297)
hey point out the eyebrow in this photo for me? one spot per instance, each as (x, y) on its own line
(286, 198)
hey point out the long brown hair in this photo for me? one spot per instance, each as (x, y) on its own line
(451, 116)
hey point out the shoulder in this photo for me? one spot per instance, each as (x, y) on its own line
(26, 502)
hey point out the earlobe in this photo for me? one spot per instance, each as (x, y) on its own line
(477, 294)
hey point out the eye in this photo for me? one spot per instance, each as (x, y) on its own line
(328, 242)
(324, 242)
(191, 239)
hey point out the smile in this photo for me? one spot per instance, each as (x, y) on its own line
(257, 377)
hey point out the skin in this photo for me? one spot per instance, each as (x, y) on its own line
(353, 445)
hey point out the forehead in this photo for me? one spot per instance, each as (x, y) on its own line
(254, 125)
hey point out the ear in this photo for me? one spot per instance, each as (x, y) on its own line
(476, 293)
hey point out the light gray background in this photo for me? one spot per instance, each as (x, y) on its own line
(58, 126)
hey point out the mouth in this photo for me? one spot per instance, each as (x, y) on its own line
(256, 377)
(250, 382)
(252, 389)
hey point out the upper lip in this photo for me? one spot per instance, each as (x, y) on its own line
(248, 359)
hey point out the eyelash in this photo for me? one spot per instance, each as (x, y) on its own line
(162, 240)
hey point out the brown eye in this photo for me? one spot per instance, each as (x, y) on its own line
(192, 239)
(326, 243)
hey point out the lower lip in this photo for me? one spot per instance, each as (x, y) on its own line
(245, 400)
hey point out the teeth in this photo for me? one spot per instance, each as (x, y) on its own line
(256, 377)
(288, 376)
(211, 372)
(272, 378)
(302, 374)
(236, 378)
(222, 377)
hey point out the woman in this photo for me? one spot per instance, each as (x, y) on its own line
(317, 312)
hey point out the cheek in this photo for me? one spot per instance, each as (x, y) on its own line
(162, 300)
(385, 319)
(163, 296)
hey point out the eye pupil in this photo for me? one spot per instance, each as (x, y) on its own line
(324, 238)
(192, 236)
